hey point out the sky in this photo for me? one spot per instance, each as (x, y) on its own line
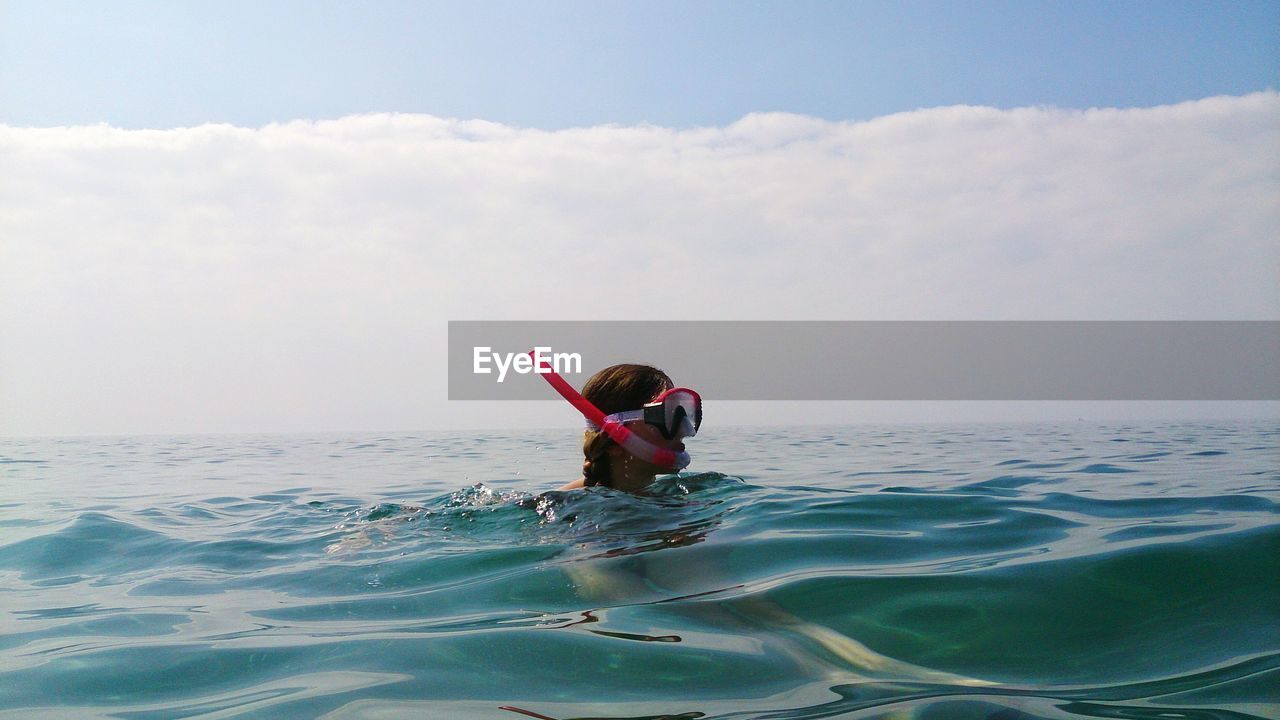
(244, 217)
(578, 64)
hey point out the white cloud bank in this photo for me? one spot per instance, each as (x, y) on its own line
(299, 275)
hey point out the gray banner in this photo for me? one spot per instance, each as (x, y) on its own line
(890, 360)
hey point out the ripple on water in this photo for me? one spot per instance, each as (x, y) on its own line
(1042, 571)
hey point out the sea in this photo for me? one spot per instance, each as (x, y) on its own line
(985, 571)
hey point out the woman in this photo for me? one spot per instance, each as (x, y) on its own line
(645, 401)
(636, 417)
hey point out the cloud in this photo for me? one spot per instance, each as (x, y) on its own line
(299, 275)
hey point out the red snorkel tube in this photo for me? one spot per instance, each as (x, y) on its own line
(617, 432)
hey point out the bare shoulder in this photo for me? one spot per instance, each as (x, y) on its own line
(575, 485)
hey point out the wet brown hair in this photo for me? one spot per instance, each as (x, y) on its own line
(614, 389)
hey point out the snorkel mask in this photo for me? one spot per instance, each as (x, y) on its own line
(676, 413)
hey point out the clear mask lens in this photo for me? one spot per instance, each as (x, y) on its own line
(681, 411)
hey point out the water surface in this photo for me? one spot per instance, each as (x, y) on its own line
(985, 571)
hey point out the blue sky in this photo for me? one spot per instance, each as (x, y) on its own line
(566, 64)
(242, 216)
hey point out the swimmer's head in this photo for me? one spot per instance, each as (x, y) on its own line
(617, 389)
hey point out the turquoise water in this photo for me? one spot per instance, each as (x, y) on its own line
(995, 572)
